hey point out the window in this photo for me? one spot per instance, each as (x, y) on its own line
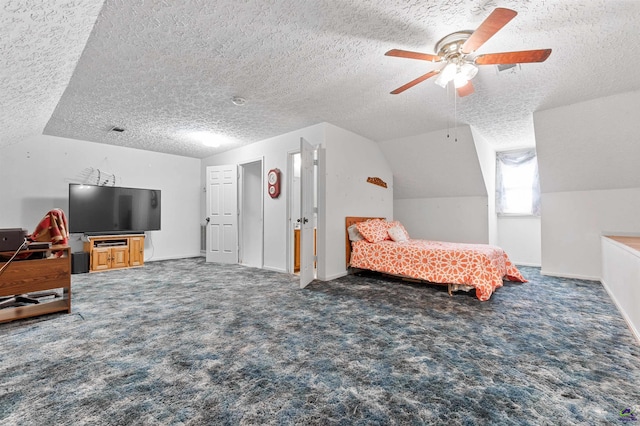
(517, 183)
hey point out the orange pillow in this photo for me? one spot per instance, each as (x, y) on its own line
(374, 230)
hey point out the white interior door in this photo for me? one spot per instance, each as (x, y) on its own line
(222, 214)
(307, 256)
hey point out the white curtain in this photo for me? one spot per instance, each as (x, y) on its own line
(517, 177)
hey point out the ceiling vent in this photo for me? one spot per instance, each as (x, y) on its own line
(506, 67)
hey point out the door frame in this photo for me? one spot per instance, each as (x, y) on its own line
(290, 220)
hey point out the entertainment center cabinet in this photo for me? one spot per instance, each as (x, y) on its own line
(44, 270)
(107, 252)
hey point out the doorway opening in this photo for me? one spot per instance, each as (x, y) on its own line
(295, 214)
(251, 209)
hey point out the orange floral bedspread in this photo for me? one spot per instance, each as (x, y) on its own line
(479, 265)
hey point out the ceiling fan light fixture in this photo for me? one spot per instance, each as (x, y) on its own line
(468, 70)
(460, 80)
(452, 44)
(447, 74)
(455, 51)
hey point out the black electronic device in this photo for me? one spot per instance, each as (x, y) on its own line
(79, 262)
(106, 210)
(11, 239)
(34, 245)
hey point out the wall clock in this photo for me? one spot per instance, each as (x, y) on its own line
(273, 183)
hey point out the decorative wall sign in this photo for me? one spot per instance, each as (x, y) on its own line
(377, 181)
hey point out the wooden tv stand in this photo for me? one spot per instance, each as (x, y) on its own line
(108, 252)
(33, 275)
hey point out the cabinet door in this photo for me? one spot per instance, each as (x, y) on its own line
(120, 257)
(100, 258)
(136, 251)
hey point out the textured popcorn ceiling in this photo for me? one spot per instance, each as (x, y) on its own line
(160, 68)
(40, 44)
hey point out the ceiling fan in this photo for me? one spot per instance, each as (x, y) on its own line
(455, 51)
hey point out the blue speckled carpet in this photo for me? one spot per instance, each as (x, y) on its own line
(185, 342)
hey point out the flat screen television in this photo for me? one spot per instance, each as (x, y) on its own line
(109, 210)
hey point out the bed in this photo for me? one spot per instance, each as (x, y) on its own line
(386, 247)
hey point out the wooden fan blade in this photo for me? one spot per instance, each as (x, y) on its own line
(494, 22)
(413, 55)
(465, 90)
(521, 57)
(414, 82)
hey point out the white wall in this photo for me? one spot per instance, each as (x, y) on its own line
(350, 160)
(588, 160)
(275, 152)
(36, 174)
(521, 238)
(572, 223)
(439, 188)
(455, 219)
(346, 160)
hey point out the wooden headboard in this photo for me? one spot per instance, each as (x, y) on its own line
(350, 220)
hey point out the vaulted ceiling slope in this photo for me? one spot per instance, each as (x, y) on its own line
(40, 44)
(160, 69)
(591, 145)
(443, 163)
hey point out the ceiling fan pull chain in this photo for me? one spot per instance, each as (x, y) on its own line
(455, 117)
(448, 117)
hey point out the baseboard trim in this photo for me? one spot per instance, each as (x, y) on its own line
(634, 331)
(334, 276)
(157, 259)
(533, 265)
(274, 269)
(571, 276)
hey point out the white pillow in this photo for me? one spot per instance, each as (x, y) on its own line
(397, 234)
(354, 234)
